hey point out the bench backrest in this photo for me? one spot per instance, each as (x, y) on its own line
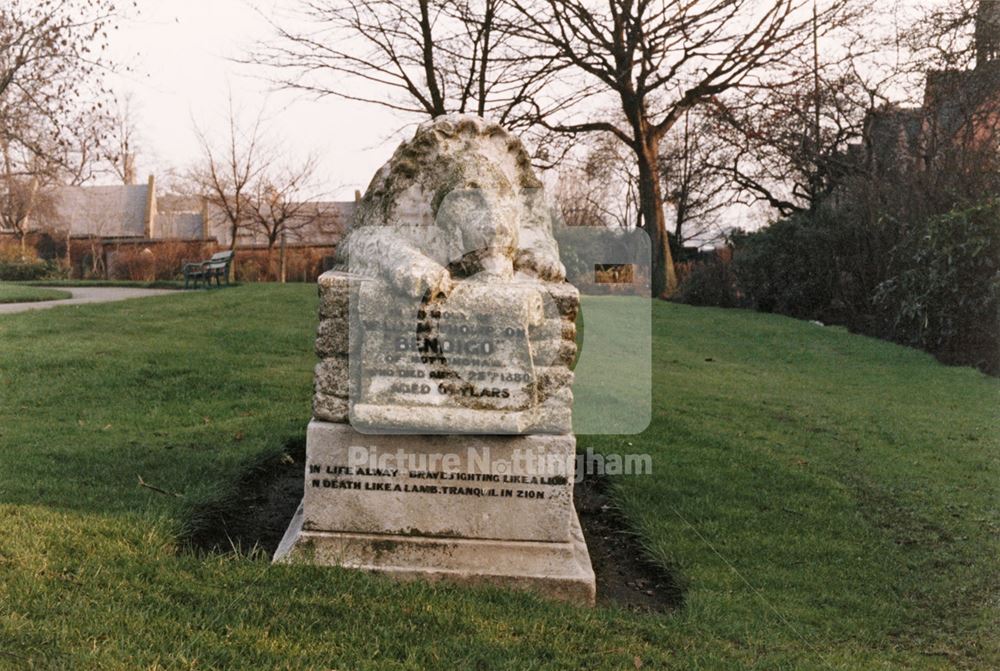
(219, 260)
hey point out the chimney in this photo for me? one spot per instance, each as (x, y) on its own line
(151, 208)
(357, 196)
(128, 168)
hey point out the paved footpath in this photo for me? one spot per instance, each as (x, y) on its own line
(83, 295)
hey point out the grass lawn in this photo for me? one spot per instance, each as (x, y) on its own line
(826, 501)
(16, 293)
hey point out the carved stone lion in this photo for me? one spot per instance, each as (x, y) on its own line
(460, 199)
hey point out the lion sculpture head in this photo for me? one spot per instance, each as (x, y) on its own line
(458, 200)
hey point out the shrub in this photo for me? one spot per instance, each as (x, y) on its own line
(821, 265)
(24, 270)
(159, 261)
(302, 264)
(709, 283)
(250, 268)
(944, 295)
(170, 256)
(14, 267)
(787, 267)
(132, 263)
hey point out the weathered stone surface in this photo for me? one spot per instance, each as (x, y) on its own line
(568, 331)
(517, 488)
(331, 377)
(450, 285)
(469, 352)
(332, 338)
(566, 299)
(554, 352)
(330, 408)
(552, 379)
(335, 296)
(557, 570)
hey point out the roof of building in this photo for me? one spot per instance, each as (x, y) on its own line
(107, 211)
(120, 211)
(178, 225)
(176, 203)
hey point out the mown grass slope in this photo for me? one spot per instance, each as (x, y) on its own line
(826, 500)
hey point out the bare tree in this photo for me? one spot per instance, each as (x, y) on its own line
(229, 170)
(279, 204)
(22, 191)
(52, 98)
(421, 57)
(122, 145)
(692, 186)
(943, 35)
(250, 188)
(600, 189)
(659, 59)
(789, 146)
(51, 69)
(31, 171)
(793, 142)
(101, 224)
(957, 45)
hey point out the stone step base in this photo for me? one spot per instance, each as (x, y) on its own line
(558, 570)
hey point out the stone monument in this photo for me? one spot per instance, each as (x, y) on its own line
(440, 445)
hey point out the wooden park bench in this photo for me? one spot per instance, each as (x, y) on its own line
(203, 271)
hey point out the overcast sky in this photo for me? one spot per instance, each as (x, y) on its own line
(180, 52)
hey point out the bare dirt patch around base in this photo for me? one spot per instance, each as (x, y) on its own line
(254, 519)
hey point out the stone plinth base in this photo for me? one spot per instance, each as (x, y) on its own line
(472, 509)
(557, 570)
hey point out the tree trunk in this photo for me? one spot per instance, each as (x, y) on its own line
(430, 70)
(269, 274)
(234, 229)
(664, 279)
(29, 209)
(284, 257)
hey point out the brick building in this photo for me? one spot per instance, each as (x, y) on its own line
(959, 115)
